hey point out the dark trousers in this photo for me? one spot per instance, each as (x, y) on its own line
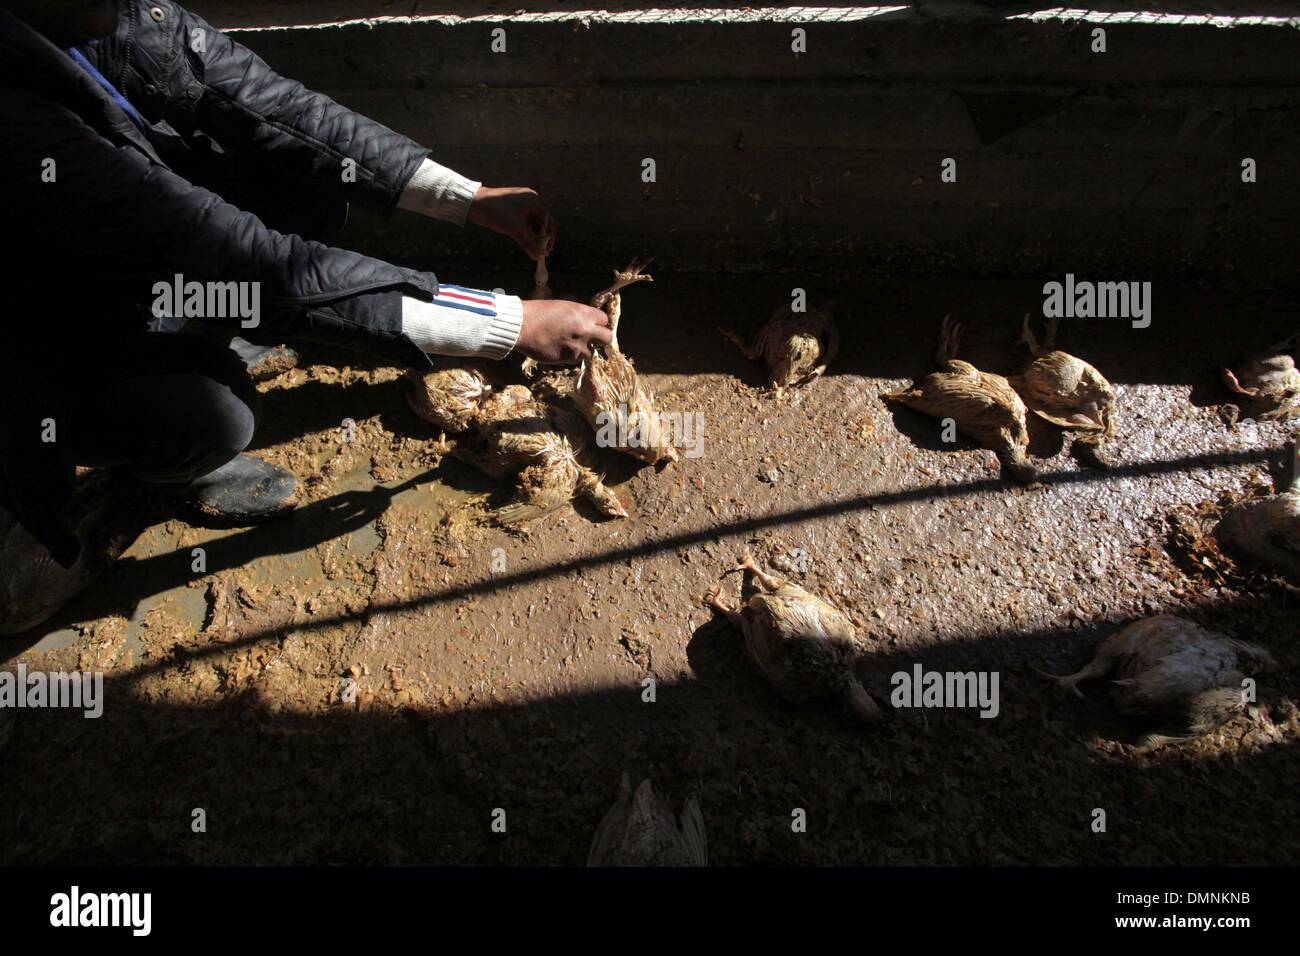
(165, 407)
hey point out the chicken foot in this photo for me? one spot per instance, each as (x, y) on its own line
(1049, 336)
(1101, 665)
(611, 301)
(712, 600)
(747, 564)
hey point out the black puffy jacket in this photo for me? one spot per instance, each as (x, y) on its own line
(237, 169)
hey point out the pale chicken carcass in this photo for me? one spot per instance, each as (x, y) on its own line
(803, 646)
(1068, 392)
(450, 399)
(1267, 530)
(983, 405)
(795, 346)
(1171, 670)
(564, 471)
(513, 430)
(547, 450)
(541, 276)
(510, 404)
(609, 393)
(1268, 383)
(640, 830)
(541, 279)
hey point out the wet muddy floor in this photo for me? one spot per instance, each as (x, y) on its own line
(371, 678)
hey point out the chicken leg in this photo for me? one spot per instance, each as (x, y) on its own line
(1102, 663)
(949, 340)
(1049, 336)
(712, 600)
(611, 301)
(768, 582)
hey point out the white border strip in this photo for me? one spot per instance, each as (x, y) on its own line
(1162, 19)
(654, 15)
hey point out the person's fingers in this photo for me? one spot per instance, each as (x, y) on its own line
(602, 335)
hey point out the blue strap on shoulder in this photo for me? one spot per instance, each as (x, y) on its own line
(112, 91)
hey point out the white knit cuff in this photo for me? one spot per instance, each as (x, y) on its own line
(439, 192)
(464, 322)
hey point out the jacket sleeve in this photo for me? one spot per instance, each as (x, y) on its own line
(300, 137)
(149, 224)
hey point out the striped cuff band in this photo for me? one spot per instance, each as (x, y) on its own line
(464, 322)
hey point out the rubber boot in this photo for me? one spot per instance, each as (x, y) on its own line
(244, 490)
(264, 362)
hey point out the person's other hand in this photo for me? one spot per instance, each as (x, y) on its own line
(517, 212)
(559, 332)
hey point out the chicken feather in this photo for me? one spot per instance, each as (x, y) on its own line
(546, 449)
(1267, 530)
(609, 392)
(1269, 382)
(802, 645)
(640, 830)
(1068, 392)
(983, 405)
(1173, 670)
(796, 346)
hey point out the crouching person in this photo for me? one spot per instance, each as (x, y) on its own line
(134, 157)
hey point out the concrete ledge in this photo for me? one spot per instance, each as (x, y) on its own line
(288, 13)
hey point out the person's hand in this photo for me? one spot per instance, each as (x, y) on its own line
(559, 332)
(517, 212)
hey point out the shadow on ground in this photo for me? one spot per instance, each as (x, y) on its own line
(420, 785)
(132, 580)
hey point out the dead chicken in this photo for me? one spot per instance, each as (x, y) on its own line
(564, 472)
(450, 399)
(640, 830)
(513, 430)
(1184, 676)
(1269, 382)
(505, 405)
(1068, 392)
(541, 280)
(545, 447)
(541, 290)
(541, 276)
(611, 395)
(983, 405)
(1268, 529)
(802, 645)
(796, 346)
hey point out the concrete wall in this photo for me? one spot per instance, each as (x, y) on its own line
(1120, 165)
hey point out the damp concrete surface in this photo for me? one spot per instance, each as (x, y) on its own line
(369, 679)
